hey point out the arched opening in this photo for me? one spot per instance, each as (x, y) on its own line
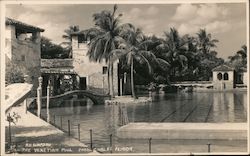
(225, 76)
(219, 76)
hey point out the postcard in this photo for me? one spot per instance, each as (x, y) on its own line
(124, 77)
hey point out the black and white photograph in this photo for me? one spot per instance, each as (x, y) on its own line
(124, 77)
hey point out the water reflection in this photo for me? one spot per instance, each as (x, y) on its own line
(192, 107)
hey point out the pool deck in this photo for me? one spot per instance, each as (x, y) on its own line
(128, 100)
(216, 131)
(34, 135)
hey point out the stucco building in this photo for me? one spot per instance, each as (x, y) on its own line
(77, 72)
(226, 78)
(91, 75)
(23, 48)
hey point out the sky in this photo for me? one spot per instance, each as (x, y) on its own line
(225, 21)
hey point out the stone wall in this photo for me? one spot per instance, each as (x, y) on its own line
(25, 53)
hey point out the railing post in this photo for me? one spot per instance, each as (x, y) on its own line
(110, 143)
(91, 141)
(39, 96)
(149, 145)
(9, 120)
(61, 122)
(54, 119)
(208, 147)
(69, 127)
(79, 132)
(25, 106)
(47, 106)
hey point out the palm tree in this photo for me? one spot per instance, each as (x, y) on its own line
(105, 39)
(67, 36)
(239, 60)
(206, 53)
(173, 48)
(134, 50)
(205, 43)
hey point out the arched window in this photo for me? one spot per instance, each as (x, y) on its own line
(225, 76)
(219, 76)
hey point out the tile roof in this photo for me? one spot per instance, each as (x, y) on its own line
(223, 67)
(10, 21)
(56, 63)
(61, 66)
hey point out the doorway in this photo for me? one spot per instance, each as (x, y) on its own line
(83, 83)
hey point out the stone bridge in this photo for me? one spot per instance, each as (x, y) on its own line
(97, 98)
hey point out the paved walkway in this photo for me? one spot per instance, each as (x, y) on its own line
(33, 135)
(224, 131)
(185, 137)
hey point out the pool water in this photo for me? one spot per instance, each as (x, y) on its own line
(180, 107)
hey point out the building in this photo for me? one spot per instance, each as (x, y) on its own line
(78, 72)
(60, 74)
(226, 77)
(92, 75)
(23, 48)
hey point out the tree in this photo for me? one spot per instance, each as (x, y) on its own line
(50, 50)
(67, 36)
(14, 73)
(205, 43)
(105, 39)
(134, 50)
(239, 60)
(207, 54)
(172, 50)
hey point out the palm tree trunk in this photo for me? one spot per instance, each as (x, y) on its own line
(111, 88)
(112, 80)
(108, 78)
(132, 78)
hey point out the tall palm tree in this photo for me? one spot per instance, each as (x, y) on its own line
(206, 53)
(134, 50)
(67, 36)
(239, 60)
(173, 48)
(105, 39)
(205, 42)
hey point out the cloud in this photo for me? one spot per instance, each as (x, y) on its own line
(185, 12)
(189, 18)
(53, 29)
(143, 18)
(44, 8)
(152, 10)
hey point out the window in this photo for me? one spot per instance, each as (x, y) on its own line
(225, 76)
(82, 39)
(219, 76)
(22, 57)
(104, 70)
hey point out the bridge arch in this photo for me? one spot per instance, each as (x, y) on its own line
(95, 97)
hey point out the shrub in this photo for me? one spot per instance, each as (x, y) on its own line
(14, 73)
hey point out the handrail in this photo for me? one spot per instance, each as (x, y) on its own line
(77, 91)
